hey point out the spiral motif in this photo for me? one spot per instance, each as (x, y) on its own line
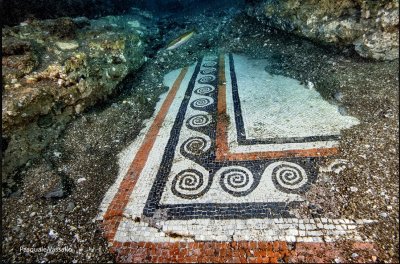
(201, 102)
(206, 79)
(196, 146)
(199, 121)
(204, 89)
(209, 63)
(188, 184)
(288, 176)
(208, 71)
(236, 180)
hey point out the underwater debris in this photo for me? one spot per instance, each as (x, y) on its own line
(182, 39)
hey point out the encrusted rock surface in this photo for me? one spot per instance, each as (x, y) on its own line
(371, 27)
(54, 70)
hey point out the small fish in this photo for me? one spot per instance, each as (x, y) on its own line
(182, 39)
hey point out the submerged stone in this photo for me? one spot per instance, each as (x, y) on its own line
(59, 193)
(67, 45)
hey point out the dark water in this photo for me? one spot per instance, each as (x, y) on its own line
(189, 6)
(16, 11)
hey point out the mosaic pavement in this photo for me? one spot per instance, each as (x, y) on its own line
(225, 159)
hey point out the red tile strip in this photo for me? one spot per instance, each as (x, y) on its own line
(240, 252)
(114, 212)
(222, 148)
(223, 152)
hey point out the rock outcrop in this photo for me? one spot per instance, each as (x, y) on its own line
(371, 27)
(55, 69)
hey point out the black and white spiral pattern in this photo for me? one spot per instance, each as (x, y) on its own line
(288, 176)
(202, 102)
(196, 146)
(209, 64)
(208, 71)
(189, 184)
(236, 180)
(204, 89)
(206, 79)
(199, 121)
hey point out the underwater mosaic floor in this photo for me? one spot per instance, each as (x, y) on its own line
(222, 164)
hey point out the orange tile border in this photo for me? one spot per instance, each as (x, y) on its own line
(222, 148)
(113, 215)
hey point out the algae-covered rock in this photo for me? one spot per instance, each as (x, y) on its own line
(55, 69)
(371, 27)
